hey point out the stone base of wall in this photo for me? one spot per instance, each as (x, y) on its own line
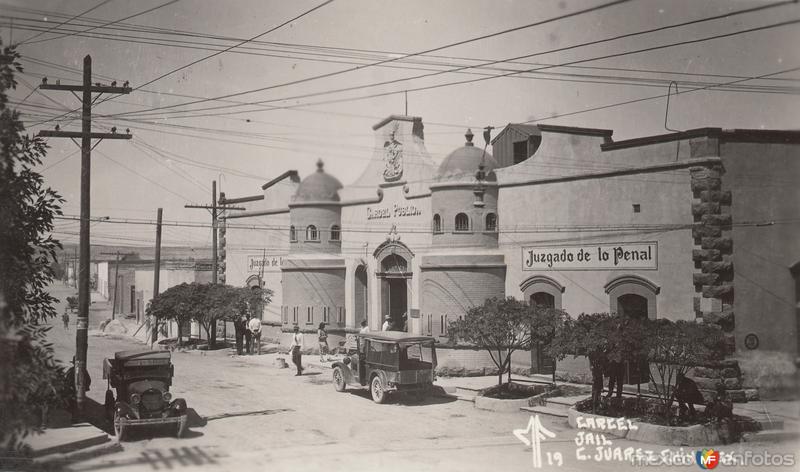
(725, 375)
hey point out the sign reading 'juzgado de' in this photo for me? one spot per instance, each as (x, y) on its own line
(643, 255)
(269, 263)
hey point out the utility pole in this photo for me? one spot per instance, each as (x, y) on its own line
(116, 285)
(156, 275)
(86, 135)
(215, 207)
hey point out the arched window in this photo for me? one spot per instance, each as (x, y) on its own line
(491, 222)
(437, 223)
(336, 233)
(462, 222)
(292, 234)
(633, 296)
(311, 233)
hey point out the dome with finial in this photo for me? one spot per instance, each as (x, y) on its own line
(318, 187)
(464, 162)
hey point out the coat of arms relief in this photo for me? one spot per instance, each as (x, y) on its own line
(394, 159)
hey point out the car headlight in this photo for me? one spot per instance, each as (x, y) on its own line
(136, 398)
(167, 396)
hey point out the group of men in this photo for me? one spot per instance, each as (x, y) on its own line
(248, 335)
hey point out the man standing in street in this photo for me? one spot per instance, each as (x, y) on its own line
(295, 349)
(65, 319)
(248, 335)
(255, 331)
(239, 329)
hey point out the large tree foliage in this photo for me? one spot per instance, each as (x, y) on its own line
(502, 326)
(29, 374)
(206, 304)
(674, 347)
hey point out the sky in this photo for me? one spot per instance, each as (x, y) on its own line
(174, 156)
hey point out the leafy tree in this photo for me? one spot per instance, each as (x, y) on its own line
(589, 335)
(500, 326)
(174, 304)
(207, 304)
(545, 324)
(29, 374)
(674, 347)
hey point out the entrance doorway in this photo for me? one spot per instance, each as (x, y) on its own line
(398, 303)
(634, 306)
(541, 364)
(395, 283)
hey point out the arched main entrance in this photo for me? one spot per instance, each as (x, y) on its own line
(394, 274)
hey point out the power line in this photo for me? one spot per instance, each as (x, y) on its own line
(385, 61)
(106, 24)
(590, 43)
(308, 12)
(65, 22)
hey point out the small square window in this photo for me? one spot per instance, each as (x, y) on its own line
(637, 208)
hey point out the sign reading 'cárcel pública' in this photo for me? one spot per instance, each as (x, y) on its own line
(607, 256)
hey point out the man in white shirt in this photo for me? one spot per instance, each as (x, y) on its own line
(364, 327)
(295, 349)
(254, 325)
(387, 325)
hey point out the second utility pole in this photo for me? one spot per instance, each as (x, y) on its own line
(156, 276)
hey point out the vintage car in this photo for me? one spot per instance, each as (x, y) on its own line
(387, 362)
(142, 380)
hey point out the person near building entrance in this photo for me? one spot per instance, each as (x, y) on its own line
(254, 326)
(387, 325)
(239, 329)
(295, 349)
(65, 319)
(364, 327)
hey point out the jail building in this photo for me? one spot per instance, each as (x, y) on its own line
(695, 225)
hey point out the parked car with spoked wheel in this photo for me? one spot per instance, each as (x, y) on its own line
(388, 363)
(142, 380)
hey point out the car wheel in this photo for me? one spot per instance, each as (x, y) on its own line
(377, 390)
(338, 379)
(181, 427)
(119, 426)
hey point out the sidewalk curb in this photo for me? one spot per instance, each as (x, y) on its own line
(61, 458)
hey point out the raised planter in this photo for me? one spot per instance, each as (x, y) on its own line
(707, 434)
(537, 392)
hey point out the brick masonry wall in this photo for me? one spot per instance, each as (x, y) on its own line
(313, 288)
(450, 292)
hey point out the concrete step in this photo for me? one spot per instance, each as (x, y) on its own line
(563, 403)
(547, 411)
(64, 440)
(771, 436)
(770, 424)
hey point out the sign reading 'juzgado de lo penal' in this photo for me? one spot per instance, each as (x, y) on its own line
(269, 263)
(643, 255)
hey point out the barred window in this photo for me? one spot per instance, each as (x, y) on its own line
(292, 234)
(462, 222)
(491, 222)
(325, 311)
(310, 315)
(311, 233)
(341, 315)
(336, 233)
(437, 223)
